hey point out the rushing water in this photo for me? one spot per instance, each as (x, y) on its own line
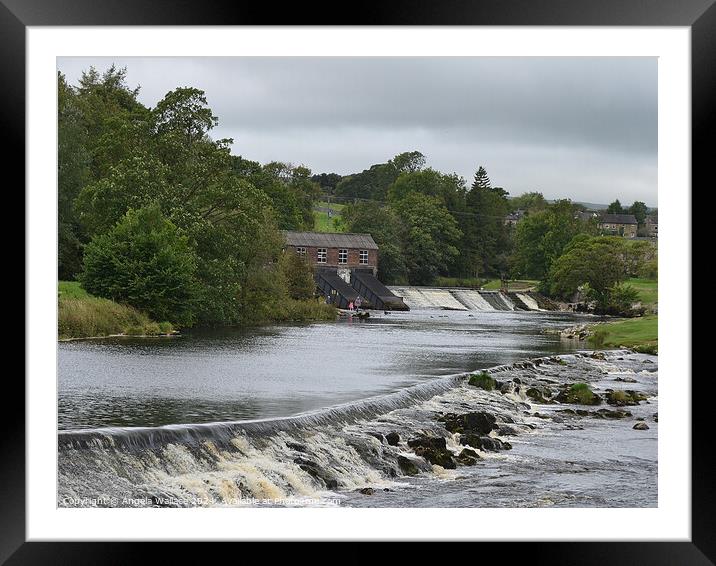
(306, 410)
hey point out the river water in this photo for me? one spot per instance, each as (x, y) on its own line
(297, 415)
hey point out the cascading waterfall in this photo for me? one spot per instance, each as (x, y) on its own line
(309, 459)
(529, 301)
(462, 299)
(472, 299)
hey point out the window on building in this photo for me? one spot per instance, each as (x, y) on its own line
(322, 255)
(364, 257)
(342, 256)
(301, 251)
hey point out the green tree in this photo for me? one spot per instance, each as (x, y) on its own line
(593, 261)
(450, 189)
(529, 202)
(542, 237)
(370, 184)
(486, 238)
(639, 210)
(615, 208)
(298, 276)
(430, 236)
(384, 225)
(409, 162)
(146, 262)
(73, 171)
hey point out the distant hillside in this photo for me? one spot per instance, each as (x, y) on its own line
(593, 205)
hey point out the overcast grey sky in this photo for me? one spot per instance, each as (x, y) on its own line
(583, 128)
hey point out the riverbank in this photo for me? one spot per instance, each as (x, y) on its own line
(638, 334)
(81, 315)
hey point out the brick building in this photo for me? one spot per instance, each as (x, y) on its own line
(338, 251)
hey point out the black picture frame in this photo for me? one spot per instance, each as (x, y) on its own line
(699, 15)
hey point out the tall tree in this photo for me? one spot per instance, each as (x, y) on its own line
(384, 225)
(639, 210)
(486, 237)
(615, 208)
(430, 236)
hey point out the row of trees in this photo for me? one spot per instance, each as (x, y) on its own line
(427, 223)
(155, 213)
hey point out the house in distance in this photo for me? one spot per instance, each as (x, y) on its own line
(345, 267)
(624, 225)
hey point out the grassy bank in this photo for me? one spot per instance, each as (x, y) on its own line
(640, 334)
(471, 282)
(81, 315)
(516, 285)
(648, 290)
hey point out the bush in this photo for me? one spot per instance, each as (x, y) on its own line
(649, 270)
(482, 380)
(619, 300)
(303, 311)
(298, 276)
(144, 261)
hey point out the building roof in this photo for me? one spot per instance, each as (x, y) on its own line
(586, 215)
(618, 219)
(330, 240)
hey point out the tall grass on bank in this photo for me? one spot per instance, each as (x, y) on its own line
(91, 316)
(302, 311)
(81, 315)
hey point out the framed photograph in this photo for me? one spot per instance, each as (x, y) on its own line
(393, 278)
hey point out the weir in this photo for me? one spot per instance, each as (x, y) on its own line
(445, 298)
(346, 448)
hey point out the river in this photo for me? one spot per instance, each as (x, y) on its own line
(305, 410)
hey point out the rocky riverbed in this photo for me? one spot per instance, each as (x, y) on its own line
(571, 430)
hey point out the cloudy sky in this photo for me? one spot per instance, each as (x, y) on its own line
(583, 128)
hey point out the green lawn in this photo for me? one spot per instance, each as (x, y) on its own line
(71, 289)
(516, 285)
(648, 290)
(324, 224)
(641, 333)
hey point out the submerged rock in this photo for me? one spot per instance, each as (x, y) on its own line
(607, 414)
(367, 491)
(478, 422)
(392, 438)
(621, 398)
(468, 457)
(641, 426)
(484, 442)
(407, 466)
(539, 395)
(578, 394)
(434, 450)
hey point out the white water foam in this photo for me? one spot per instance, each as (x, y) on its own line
(472, 300)
(529, 301)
